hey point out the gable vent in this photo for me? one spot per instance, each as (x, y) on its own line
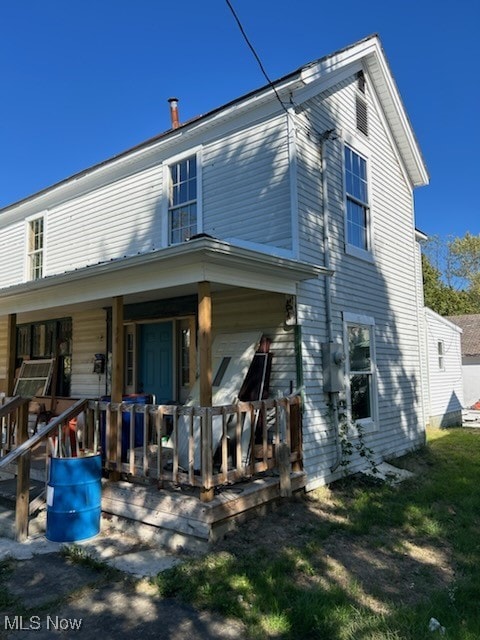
(361, 82)
(362, 115)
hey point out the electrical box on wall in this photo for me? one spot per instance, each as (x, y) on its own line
(333, 373)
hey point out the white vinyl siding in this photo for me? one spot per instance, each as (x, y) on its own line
(383, 289)
(243, 194)
(117, 220)
(242, 310)
(12, 261)
(246, 185)
(89, 337)
(471, 380)
(445, 388)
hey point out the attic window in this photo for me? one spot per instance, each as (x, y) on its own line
(361, 114)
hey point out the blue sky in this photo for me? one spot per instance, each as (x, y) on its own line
(82, 80)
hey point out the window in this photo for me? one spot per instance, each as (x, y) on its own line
(186, 357)
(182, 202)
(361, 370)
(33, 378)
(356, 188)
(35, 249)
(441, 355)
(130, 357)
(50, 339)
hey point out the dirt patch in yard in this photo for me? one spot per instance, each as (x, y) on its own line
(383, 568)
(404, 575)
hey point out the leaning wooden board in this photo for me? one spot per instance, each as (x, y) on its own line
(232, 354)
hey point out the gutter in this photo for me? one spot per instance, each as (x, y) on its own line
(210, 249)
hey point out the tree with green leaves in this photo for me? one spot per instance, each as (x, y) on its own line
(451, 275)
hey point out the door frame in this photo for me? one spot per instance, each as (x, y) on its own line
(132, 351)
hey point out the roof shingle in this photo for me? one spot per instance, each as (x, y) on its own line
(471, 333)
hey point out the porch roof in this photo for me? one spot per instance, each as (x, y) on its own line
(159, 274)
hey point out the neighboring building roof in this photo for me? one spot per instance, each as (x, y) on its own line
(471, 333)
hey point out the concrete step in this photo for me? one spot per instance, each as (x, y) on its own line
(138, 555)
(8, 490)
(36, 525)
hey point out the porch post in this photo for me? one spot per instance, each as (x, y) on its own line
(11, 353)
(205, 363)
(117, 385)
(205, 342)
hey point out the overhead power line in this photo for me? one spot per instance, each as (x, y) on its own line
(326, 135)
(257, 57)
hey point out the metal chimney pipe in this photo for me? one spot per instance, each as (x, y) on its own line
(174, 112)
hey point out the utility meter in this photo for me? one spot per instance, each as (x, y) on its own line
(333, 358)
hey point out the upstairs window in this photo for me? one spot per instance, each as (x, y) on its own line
(35, 248)
(357, 207)
(182, 202)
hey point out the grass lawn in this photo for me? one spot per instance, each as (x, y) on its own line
(359, 560)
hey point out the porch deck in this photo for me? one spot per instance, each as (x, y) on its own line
(217, 467)
(180, 519)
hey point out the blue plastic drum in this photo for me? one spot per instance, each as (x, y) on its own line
(74, 498)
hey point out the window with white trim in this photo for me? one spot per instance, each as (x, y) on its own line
(35, 248)
(441, 354)
(361, 371)
(356, 196)
(182, 201)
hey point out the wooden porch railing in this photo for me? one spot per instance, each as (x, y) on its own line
(200, 446)
(17, 447)
(197, 446)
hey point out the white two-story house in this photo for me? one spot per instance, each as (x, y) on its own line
(286, 215)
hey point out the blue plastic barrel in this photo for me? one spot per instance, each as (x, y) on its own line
(74, 498)
(134, 398)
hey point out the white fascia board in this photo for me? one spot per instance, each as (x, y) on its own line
(323, 83)
(420, 236)
(324, 74)
(201, 259)
(387, 91)
(430, 313)
(338, 61)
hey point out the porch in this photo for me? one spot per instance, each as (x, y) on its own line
(188, 440)
(197, 473)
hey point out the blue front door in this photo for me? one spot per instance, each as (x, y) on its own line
(156, 361)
